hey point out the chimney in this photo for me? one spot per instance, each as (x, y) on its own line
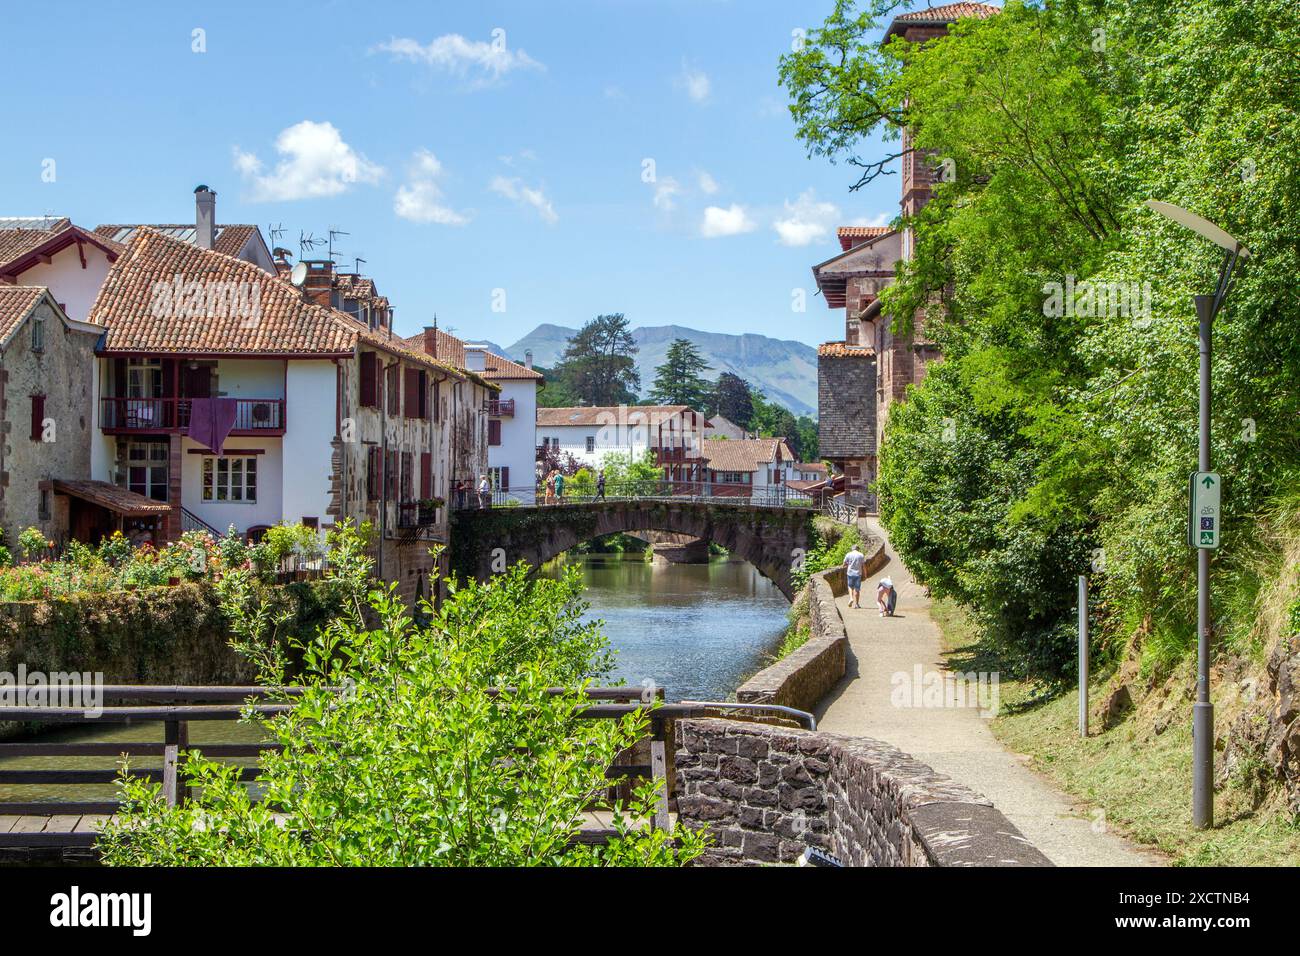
(319, 284)
(205, 217)
(431, 340)
(475, 358)
(528, 358)
(282, 265)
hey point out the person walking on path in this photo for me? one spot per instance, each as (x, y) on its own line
(484, 492)
(600, 485)
(853, 575)
(550, 488)
(886, 597)
(559, 486)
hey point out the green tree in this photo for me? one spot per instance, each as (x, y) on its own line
(598, 364)
(731, 399)
(678, 381)
(397, 754)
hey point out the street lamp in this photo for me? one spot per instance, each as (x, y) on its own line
(1207, 307)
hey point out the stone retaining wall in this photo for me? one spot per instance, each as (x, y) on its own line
(806, 675)
(766, 793)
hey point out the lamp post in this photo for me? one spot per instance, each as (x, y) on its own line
(1207, 307)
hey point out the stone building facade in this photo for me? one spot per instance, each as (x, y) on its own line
(862, 375)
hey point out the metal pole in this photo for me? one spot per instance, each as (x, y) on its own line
(1083, 655)
(1203, 710)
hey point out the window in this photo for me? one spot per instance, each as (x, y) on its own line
(392, 386)
(374, 465)
(230, 479)
(494, 432)
(426, 475)
(408, 476)
(38, 417)
(146, 469)
(45, 504)
(38, 332)
(500, 478)
(416, 383)
(144, 378)
(369, 379)
(591, 444)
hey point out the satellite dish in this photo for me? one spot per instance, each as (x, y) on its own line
(1202, 227)
(299, 274)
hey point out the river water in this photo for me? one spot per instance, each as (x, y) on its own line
(696, 630)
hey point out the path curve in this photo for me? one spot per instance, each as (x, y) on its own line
(953, 740)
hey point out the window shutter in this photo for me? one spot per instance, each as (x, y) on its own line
(392, 384)
(369, 379)
(392, 475)
(437, 396)
(412, 384)
(505, 478)
(494, 432)
(38, 416)
(423, 392)
(426, 474)
(372, 474)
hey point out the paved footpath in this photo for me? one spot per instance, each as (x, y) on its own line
(953, 740)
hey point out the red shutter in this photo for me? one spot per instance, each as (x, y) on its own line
(392, 476)
(426, 474)
(393, 384)
(412, 384)
(38, 417)
(369, 379)
(494, 432)
(372, 474)
(423, 392)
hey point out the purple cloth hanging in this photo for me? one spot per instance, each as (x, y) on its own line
(212, 420)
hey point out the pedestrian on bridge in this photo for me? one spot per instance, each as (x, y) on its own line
(559, 486)
(600, 485)
(853, 562)
(484, 492)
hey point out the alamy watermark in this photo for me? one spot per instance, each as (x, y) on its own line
(1096, 299)
(216, 299)
(81, 690)
(935, 689)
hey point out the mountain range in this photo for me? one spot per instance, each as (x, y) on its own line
(784, 371)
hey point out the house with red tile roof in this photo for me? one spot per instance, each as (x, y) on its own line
(673, 433)
(860, 376)
(238, 398)
(46, 371)
(512, 415)
(755, 468)
(53, 252)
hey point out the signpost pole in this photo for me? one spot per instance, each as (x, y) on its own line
(1083, 655)
(1203, 710)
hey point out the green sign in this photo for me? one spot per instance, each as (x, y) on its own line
(1204, 518)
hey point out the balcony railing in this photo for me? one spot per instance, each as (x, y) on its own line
(252, 415)
(501, 408)
(416, 514)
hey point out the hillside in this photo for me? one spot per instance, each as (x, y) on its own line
(785, 371)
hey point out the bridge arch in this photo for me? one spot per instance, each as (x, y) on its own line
(772, 539)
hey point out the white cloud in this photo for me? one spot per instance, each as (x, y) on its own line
(806, 220)
(708, 185)
(731, 221)
(695, 82)
(666, 190)
(315, 163)
(420, 198)
(489, 60)
(515, 189)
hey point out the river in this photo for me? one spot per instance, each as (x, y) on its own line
(696, 630)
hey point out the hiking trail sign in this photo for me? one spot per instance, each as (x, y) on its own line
(1204, 520)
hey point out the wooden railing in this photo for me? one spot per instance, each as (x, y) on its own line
(62, 825)
(501, 408)
(173, 414)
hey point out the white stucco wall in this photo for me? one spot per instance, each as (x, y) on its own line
(242, 514)
(309, 412)
(518, 448)
(254, 378)
(73, 287)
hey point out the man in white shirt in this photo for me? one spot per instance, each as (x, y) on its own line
(484, 492)
(853, 574)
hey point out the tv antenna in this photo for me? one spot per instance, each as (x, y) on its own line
(306, 243)
(357, 267)
(334, 233)
(275, 232)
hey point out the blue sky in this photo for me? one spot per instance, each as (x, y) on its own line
(461, 161)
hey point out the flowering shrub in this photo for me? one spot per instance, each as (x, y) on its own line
(116, 564)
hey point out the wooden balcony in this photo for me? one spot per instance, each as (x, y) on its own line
(128, 416)
(501, 408)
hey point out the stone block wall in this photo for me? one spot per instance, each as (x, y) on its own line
(766, 793)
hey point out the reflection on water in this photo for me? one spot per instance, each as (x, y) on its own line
(697, 630)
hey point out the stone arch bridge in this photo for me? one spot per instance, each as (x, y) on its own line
(772, 538)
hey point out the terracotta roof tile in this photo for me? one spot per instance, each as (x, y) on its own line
(843, 350)
(601, 414)
(230, 239)
(19, 244)
(118, 500)
(451, 349)
(742, 454)
(15, 302)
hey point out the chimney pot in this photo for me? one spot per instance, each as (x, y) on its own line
(205, 217)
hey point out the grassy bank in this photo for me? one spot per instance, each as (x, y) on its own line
(1136, 776)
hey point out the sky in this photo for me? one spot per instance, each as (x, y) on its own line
(500, 164)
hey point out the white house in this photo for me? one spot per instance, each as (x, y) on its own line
(66, 259)
(674, 433)
(512, 414)
(747, 467)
